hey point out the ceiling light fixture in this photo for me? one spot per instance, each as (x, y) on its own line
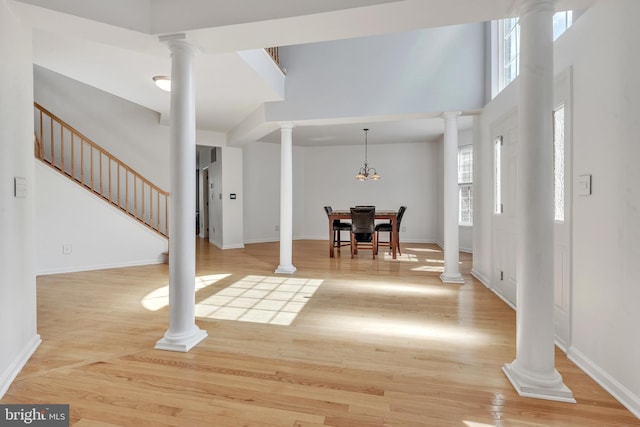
(365, 171)
(163, 82)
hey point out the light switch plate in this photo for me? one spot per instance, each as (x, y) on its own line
(19, 187)
(584, 185)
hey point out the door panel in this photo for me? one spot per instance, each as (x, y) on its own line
(562, 226)
(504, 222)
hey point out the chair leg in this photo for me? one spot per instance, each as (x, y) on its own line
(374, 245)
(353, 245)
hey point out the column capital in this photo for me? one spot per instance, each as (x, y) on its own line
(286, 125)
(527, 6)
(451, 114)
(179, 41)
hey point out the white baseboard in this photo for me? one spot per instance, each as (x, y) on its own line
(483, 279)
(617, 390)
(503, 298)
(72, 269)
(12, 371)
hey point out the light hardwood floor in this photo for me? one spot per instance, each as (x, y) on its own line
(375, 343)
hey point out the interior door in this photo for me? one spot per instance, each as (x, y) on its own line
(503, 280)
(204, 215)
(562, 141)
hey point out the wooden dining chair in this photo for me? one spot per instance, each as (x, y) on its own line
(363, 230)
(338, 227)
(386, 227)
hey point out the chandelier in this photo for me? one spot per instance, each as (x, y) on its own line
(366, 171)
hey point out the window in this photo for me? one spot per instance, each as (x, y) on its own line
(497, 175)
(465, 185)
(510, 30)
(509, 45)
(558, 162)
(561, 21)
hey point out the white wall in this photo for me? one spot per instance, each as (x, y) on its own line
(326, 176)
(261, 187)
(98, 235)
(433, 70)
(232, 209)
(18, 333)
(601, 48)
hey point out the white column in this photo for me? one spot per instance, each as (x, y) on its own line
(183, 333)
(451, 251)
(533, 372)
(286, 199)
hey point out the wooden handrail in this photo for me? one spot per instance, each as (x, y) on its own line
(56, 153)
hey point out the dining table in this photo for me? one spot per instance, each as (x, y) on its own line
(342, 214)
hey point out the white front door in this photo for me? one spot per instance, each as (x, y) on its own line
(505, 138)
(562, 114)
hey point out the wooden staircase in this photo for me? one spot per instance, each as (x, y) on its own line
(75, 156)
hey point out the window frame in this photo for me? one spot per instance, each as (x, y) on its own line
(500, 35)
(465, 182)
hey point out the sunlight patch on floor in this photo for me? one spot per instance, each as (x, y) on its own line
(399, 289)
(474, 424)
(400, 328)
(431, 268)
(422, 250)
(159, 298)
(387, 256)
(260, 299)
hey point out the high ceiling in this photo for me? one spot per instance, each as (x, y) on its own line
(114, 47)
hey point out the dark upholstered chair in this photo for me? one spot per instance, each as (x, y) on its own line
(338, 227)
(385, 227)
(363, 230)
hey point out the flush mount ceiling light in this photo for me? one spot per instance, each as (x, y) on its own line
(365, 171)
(163, 82)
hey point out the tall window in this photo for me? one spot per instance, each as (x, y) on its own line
(558, 162)
(465, 185)
(510, 29)
(509, 44)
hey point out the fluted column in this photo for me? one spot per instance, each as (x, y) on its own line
(286, 199)
(451, 244)
(533, 372)
(183, 333)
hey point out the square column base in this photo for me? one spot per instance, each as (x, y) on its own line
(560, 393)
(285, 269)
(181, 345)
(451, 278)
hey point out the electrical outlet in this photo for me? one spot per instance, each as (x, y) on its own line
(403, 228)
(66, 248)
(277, 228)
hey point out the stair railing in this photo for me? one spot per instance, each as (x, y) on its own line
(74, 155)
